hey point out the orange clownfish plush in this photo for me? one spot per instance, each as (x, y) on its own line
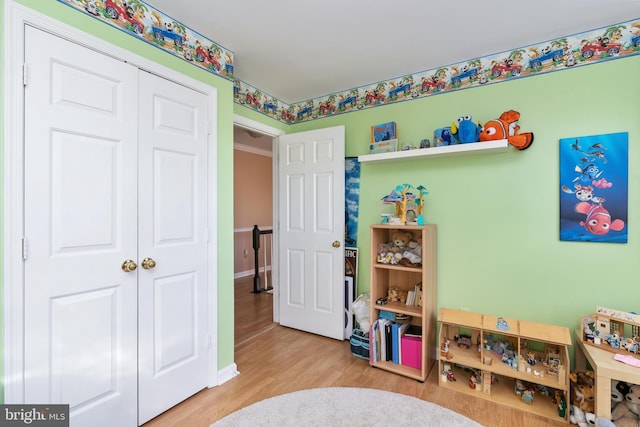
(505, 127)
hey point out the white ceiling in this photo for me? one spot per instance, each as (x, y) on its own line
(297, 50)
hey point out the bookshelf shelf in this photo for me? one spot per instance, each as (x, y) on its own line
(488, 352)
(475, 148)
(386, 276)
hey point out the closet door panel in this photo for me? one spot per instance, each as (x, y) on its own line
(80, 313)
(173, 338)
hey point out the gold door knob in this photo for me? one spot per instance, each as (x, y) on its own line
(336, 244)
(148, 263)
(128, 266)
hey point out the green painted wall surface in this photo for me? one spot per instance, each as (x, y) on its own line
(498, 228)
(224, 149)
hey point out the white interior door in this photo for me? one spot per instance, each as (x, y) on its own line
(115, 169)
(173, 233)
(80, 308)
(311, 232)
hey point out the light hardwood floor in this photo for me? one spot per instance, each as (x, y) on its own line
(273, 360)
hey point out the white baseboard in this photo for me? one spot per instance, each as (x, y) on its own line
(246, 273)
(227, 373)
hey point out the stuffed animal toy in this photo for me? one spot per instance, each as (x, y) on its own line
(405, 251)
(581, 418)
(401, 239)
(633, 399)
(619, 390)
(582, 385)
(627, 413)
(466, 131)
(505, 127)
(397, 295)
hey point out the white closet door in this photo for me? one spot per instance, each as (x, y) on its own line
(173, 232)
(115, 170)
(80, 225)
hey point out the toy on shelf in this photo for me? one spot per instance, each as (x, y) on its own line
(402, 250)
(624, 404)
(505, 127)
(406, 202)
(466, 130)
(582, 398)
(612, 330)
(443, 136)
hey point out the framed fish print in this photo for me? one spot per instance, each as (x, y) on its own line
(594, 174)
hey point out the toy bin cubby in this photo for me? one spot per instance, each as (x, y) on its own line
(524, 365)
(391, 284)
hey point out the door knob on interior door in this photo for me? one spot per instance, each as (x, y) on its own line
(128, 266)
(148, 263)
(336, 244)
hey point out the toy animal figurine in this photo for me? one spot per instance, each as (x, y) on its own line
(505, 127)
(466, 131)
(444, 349)
(527, 396)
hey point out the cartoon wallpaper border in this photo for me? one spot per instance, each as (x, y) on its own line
(140, 20)
(594, 173)
(591, 47)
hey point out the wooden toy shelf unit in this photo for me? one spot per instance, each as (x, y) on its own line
(490, 357)
(400, 280)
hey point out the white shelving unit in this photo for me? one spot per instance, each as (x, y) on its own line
(474, 148)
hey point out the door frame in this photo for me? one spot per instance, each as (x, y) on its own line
(274, 133)
(16, 17)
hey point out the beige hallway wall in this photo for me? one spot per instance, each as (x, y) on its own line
(253, 199)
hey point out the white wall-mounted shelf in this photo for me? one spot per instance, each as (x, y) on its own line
(474, 148)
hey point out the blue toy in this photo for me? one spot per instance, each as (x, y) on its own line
(443, 136)
(467, 131)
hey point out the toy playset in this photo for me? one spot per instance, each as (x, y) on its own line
(614, 331)
(409, 205)
(513, 362)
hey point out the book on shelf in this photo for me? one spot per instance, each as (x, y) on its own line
(387, 146)
(384, 132)
(398, 329)
(411, 296)
(389, 341)
(414, 296)
(374, 339)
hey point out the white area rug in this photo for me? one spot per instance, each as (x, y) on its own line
(344, 406)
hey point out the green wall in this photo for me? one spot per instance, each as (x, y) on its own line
(498, 228)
